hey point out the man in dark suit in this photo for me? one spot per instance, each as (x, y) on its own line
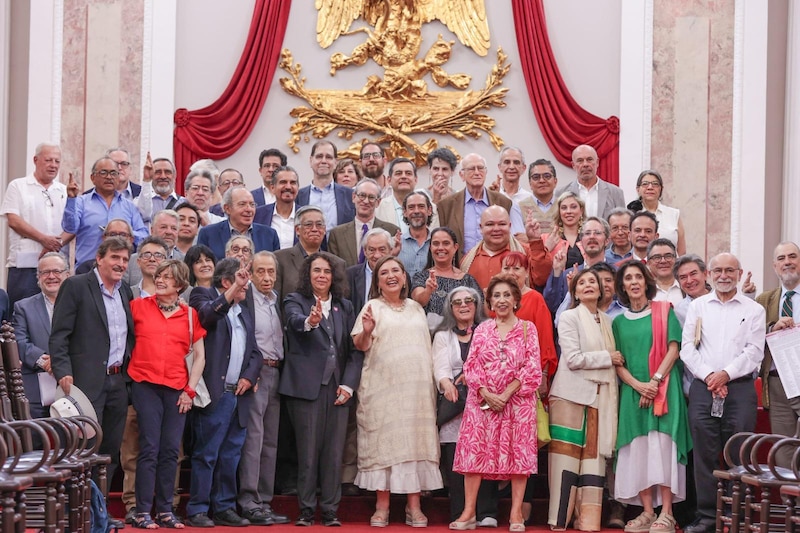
(239, 206)
(257, 467)
(230, 177)
(600, 196)
(32, 328)
(268, 162)
(345, 240)
(376, 244)
(335, 200)
(783, 311)
(309, 224)
(92, 337)
(280, 214)
(321, 371)
(125, 186)
(233, 363)
(461, 212)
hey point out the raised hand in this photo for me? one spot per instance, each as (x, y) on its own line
(748, 287)
(533, 229)
(368, 320)
(147, 170)
(559, 262)
(495, 186)
(430, 283)
(72, 186)
(315, 315)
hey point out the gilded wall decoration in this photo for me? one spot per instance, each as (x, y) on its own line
(393, 107)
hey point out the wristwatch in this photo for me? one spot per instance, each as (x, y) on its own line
(658, 377)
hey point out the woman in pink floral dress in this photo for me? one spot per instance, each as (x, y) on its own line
(498, 430)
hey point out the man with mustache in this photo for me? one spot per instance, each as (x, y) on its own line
(336, 201)
(87, 215)
(280, 214)
(158, 187)
(92, 337)
(723, 345)
(373, 162)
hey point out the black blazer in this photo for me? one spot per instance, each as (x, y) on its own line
(304, 364)
(356, 277)
(79, 343)
(211, 310)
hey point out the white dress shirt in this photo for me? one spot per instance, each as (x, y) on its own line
(589, 197)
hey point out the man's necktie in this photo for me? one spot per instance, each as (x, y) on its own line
(786, 308)
(364, 230)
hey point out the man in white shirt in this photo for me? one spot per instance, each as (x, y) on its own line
(599, 196)
(34, 206)
(660, 260)
(269, 161)
(644, 230)
(280, 214)
(512, 167)
(373, 162)
(723, 345)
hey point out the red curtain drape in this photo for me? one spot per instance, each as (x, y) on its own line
(218, 130)
(563, 122)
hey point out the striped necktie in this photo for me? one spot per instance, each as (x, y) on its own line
(786, 308)
(364, 230)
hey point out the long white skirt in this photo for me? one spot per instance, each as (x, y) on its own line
(403, 478)
(647, 462)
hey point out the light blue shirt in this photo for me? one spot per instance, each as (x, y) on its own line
(325, 199)
(87, 215)
(474, 208)
(117, 321)
(413, 255)
(238, 342)
(368, 280)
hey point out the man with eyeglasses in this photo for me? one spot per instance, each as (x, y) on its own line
(241, 209)
(280, 214)
(33, 207)
(86, 215)
(599, 195)
(403, 177)
(621, 247)
(594, 236)
(335, 200)
(114, 228)
(158, 187)
(32, 318)
(269, 161)
(373, 162)
(661, 257)
(199, 188)
(309, 225)
(165, 227)
(461, 212)
(542, 180)
(722, 347)
(344, 240)
(128, 189)
(230, 177)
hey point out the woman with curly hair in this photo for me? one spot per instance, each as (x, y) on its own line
(569, 214)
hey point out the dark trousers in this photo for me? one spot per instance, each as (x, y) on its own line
(160, 431)
(22, 282)
(710, 435)
(218, 440)
(111, 406)
(320, 428)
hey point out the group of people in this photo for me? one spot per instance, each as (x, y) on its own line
(378, 336)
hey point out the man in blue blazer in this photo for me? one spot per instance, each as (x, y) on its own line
(233, 363)
(239, 206)
(268, 161)
(335, 200)
(32, 328)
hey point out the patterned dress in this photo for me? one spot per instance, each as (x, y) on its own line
(494, 444)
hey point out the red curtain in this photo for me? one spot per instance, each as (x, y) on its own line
(218, 130)
(563, 122)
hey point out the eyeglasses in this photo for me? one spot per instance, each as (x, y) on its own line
(365, 196)
(372, 155)
(665, 257)
(459, 302)
(231, 183)
(197, 188)
(647, 184)
(620, 229)
(123, 234)
(53, 272)
(123, 164)
(313, 224)
(538, 177)
(106, 173)
(47, 200)
(152, 255)
(472, 170)
(241, 249)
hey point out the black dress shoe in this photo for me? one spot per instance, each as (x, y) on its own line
(306, 518)
(229, 518)
(114, 523)
(277, 518)
(701, 525)
(350, 489)
(199, 520)
(329, 519)
(257, 516)
(130, 515)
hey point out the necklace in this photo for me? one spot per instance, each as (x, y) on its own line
(463, 332)
(168, 308)
(398, 308)
(646, 305)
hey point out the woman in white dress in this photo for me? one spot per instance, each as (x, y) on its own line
(398, 444)
(650, 188)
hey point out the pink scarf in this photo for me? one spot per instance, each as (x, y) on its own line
(660, 315)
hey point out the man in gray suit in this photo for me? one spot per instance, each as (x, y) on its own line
(165, 225)
(599, 196)
(345, 239)
(32, 318)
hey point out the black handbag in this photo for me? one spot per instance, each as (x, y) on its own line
(447, 410)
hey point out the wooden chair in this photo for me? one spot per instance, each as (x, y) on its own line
(12, 510)
(729, 481)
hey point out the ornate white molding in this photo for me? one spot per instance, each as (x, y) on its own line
(58, 63)
(790, 229)
(736, 124)
(147, 79)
